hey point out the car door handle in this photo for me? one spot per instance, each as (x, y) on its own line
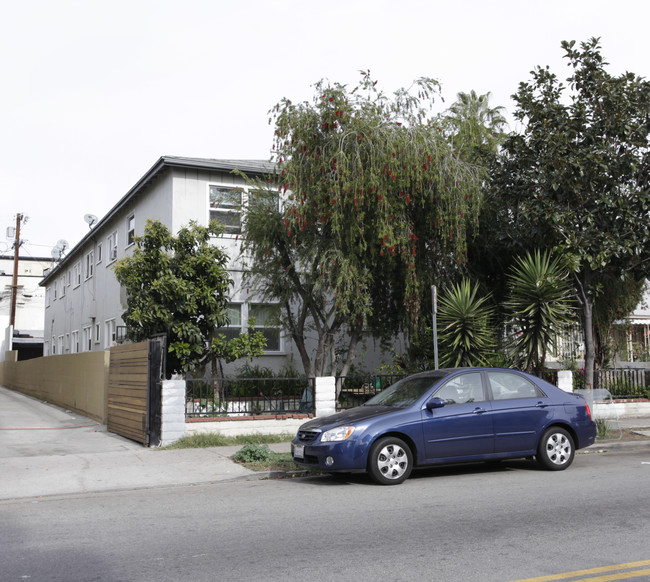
(541, 405)
(479, 410)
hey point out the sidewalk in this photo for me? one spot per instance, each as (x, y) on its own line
(45, 450)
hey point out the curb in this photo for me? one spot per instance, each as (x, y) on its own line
(607, 446)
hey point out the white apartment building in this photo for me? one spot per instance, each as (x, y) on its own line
(83, 300)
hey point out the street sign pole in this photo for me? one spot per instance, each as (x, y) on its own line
(434, 304)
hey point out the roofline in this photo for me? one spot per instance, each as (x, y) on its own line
(250, 167)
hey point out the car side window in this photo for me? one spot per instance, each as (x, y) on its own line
(462, 389)
(507, 386)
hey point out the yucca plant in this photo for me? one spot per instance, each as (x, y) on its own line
(467, 336)
(539, 305)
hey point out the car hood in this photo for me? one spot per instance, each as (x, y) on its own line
(351, 416)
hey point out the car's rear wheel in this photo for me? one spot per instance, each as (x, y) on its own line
(390, 461)
(556, 449)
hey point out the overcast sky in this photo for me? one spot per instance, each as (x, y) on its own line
(94, 92)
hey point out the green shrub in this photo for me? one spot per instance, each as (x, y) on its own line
(253, 454)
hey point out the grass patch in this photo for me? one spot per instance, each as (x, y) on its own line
(212, 439)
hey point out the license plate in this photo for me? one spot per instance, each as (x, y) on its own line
(299, 451)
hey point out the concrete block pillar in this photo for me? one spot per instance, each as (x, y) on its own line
(173, 411)
(565, 380)
(325, 397)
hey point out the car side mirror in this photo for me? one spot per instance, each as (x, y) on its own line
(435, 402)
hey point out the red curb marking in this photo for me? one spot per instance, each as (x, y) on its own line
(57, 428)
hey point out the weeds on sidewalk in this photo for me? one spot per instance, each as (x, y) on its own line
(255, 454)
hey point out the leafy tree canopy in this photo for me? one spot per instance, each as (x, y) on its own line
(377, 181)
(179, 286)
(576, 179)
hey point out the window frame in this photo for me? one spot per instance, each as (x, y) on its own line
(264, 326)
(87, 345)
(130, 230)
(74, 342)
(90, 264)
(227, 209)
(110, 337)
(228, 330)
(112, 241)
(76, 275)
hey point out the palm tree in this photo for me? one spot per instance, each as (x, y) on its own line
(539, 305)
(467, 337)
(474, 125)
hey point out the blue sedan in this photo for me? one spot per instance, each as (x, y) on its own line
(449, 416)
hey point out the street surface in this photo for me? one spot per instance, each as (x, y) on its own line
(481, 523)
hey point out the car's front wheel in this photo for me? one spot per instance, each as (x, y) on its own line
(555, 450)
(390, 461)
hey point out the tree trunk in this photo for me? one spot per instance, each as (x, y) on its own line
(355, 338)
(586, 302)
(590, 352)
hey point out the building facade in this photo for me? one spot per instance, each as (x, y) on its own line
(84, 302)
(26, 336)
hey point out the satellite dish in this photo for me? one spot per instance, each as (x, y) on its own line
(91, 219)
(59, 249)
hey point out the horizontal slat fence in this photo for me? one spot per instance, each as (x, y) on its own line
(128, 391)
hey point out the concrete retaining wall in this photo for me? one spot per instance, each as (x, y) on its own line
(617, 410)
(240, 426)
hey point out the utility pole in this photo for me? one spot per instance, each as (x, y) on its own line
(14, 286)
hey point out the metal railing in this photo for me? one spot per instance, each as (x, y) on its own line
(355, 390)
(242, 397)
(624, 383)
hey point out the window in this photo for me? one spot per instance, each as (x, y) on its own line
(507, 386)
(111, 244)
(98, 333)
(48, 297)
(88, 339)
(61, 282)
(269, 198)
(53, 346)
(234, 328)
(90, 264)
(74, 346)
(130, 230)
(99, 253)
(463, 389)
(60, 345)
(76, 274)
(266, 321)
(225, 207)
(54, 291)
(109, 335)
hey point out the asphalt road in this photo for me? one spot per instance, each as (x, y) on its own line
(470, 523)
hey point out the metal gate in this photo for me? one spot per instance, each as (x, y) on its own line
(135, 390)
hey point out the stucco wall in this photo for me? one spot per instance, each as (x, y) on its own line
(74, 381)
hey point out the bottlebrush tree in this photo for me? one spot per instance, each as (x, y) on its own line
(377, 206)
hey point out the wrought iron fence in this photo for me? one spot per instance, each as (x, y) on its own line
(239, 397)
(355, 390)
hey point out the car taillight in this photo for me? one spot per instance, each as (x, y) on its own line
(588, 411)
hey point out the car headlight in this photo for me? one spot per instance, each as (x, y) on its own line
(339, 433)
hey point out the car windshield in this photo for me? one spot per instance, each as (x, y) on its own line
(405, 392)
